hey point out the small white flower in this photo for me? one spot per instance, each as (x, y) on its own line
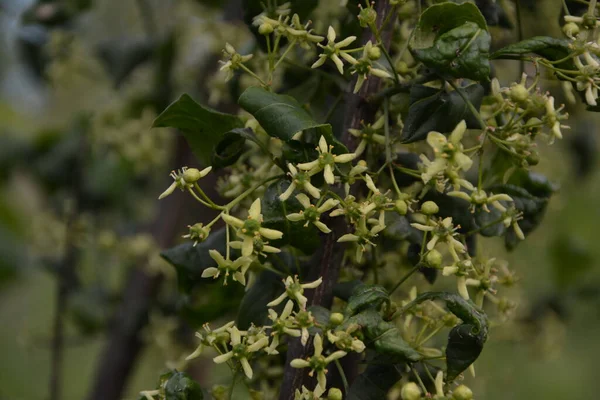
(318, 363)
(242, 348)
(311, 213)
(294, 290)
(300, 180)
(334, 51)
(326, 161)
(251, 228)
(237, 268)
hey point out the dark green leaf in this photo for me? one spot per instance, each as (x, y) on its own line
(398, 228)
(459, 53)
(437, 110)
(375, 382)
(366, 296)
(453, 40)
(190, 261)
(383, 337)
(282, 116)
(343, 290)
(465, 341)
(181, 386)
(274, 212)
(202, 127)
(550, 48)
(441, 18)
(232, 145)
(297, 152)
(228, 151)
(464, 346)
(489, 223)
(253, 308)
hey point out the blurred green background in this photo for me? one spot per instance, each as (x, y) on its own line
(113, 59)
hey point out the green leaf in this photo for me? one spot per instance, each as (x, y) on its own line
(181, 386)
(344, 290)
(282, 116)
(453, 40)
(460, 53)
(382, 336)
(296, 152)
(437, 110)
(274, 213)
(232, 146)
(366, 296)
(202, 127)
(375, 382)
(398, 229)
(253, 308)
(465, 341)
(228, 150)
(190, 261)
(489, 223)
(441, 18)
(550, 48)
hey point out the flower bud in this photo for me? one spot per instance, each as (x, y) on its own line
(462, 393)
(518, 93)
(265, 29)
(429, 208)
(401, 207)
(589, 21)
(410, 391)
(334, 394)
(533, 158)
(570, 29)
(434, 258)
(367, 17)
(402, 67)
(336, 318)
(191, 175)
(374, 53)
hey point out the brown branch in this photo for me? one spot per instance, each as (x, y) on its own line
(327, 261)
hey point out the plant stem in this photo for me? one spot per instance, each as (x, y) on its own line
(419, 380)
(284, 55)
(520, 35)
(342, 374)
(405, 277)
(327, 260)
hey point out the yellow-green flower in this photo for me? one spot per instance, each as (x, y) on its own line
(251, 228)
(311, 213)
(333, 51)
(326, 161)
(237, 268)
